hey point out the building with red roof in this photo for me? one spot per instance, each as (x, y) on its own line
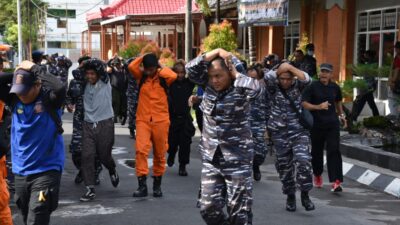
(158, 20)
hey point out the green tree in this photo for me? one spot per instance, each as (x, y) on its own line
(221, 36)
(204, 7)
(31, 18)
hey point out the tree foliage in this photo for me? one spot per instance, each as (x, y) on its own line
(221, 36)
(141, 46)
(204, 7)
(31, 19)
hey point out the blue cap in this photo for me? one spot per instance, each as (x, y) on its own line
(22, 82)
(326, 66)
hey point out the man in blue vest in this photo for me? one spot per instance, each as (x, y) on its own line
(37, 147)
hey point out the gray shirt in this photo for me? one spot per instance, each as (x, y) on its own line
(98, 102)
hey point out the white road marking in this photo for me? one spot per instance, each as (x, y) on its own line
(86, 210)
(394, 188)
(368, 177)
(119, 150)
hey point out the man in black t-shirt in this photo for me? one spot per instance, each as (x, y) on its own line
(324, 99)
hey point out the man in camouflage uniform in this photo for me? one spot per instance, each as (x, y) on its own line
(75, 104)
(51, 64)
(258, 117)
(119, 79)
(131, 95)
(226, 145)
(291, 140)
(61, 69)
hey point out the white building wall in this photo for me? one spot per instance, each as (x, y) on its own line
(75, 26)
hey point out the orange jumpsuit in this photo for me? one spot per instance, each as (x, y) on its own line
(5, 212)
(152, 119)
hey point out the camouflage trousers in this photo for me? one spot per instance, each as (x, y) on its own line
(260, 148)
(293, 160)
(131, 111)
(226, 183)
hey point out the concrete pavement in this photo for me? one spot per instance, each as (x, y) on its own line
(358, 204)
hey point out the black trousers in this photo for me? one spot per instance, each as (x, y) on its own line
(180, 138)
(97, 139)
(199, 117)
(329, 138)
(119, 102)
(36, 196)
(359, 104)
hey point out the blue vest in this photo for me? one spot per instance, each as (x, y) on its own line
(36, 146)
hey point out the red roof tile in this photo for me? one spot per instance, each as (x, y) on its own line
(141, 7)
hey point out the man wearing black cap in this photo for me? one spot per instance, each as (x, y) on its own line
(324, 99)
(152, 119)
(394, 83)
(37, 146)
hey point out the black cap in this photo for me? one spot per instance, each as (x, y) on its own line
(22, 82)
(150, 60)
(310, 47)
(397, 45)
(37, 54)
(326, 66)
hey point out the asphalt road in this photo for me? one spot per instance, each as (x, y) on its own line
(358, 204)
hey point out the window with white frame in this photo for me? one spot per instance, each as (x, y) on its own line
(291, 37)
(377, 30)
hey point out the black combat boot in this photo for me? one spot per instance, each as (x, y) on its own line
(157, 187)
(123, 120)
(182, 170)
(142, 189)
(256, 173)
(306, 201)
(291, 203)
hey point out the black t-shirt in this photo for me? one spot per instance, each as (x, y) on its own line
(179, 93)
(318, 93)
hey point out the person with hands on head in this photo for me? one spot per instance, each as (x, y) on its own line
(258, 117)
(226, 145)
(132, 97)
(152, 119)
(37, 146)
(76, 90)
(98, 126)
(181, 130)
(290, 138)
(324, 99)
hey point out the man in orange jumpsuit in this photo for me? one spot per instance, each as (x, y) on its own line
(152, 119)
(5, 212)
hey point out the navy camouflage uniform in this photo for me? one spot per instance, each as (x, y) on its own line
(132, 97)
(61, 71)
(75, 97)
(226, 147)
(291, 141)
(258, 118)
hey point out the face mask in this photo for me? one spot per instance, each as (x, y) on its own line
(309, 52)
